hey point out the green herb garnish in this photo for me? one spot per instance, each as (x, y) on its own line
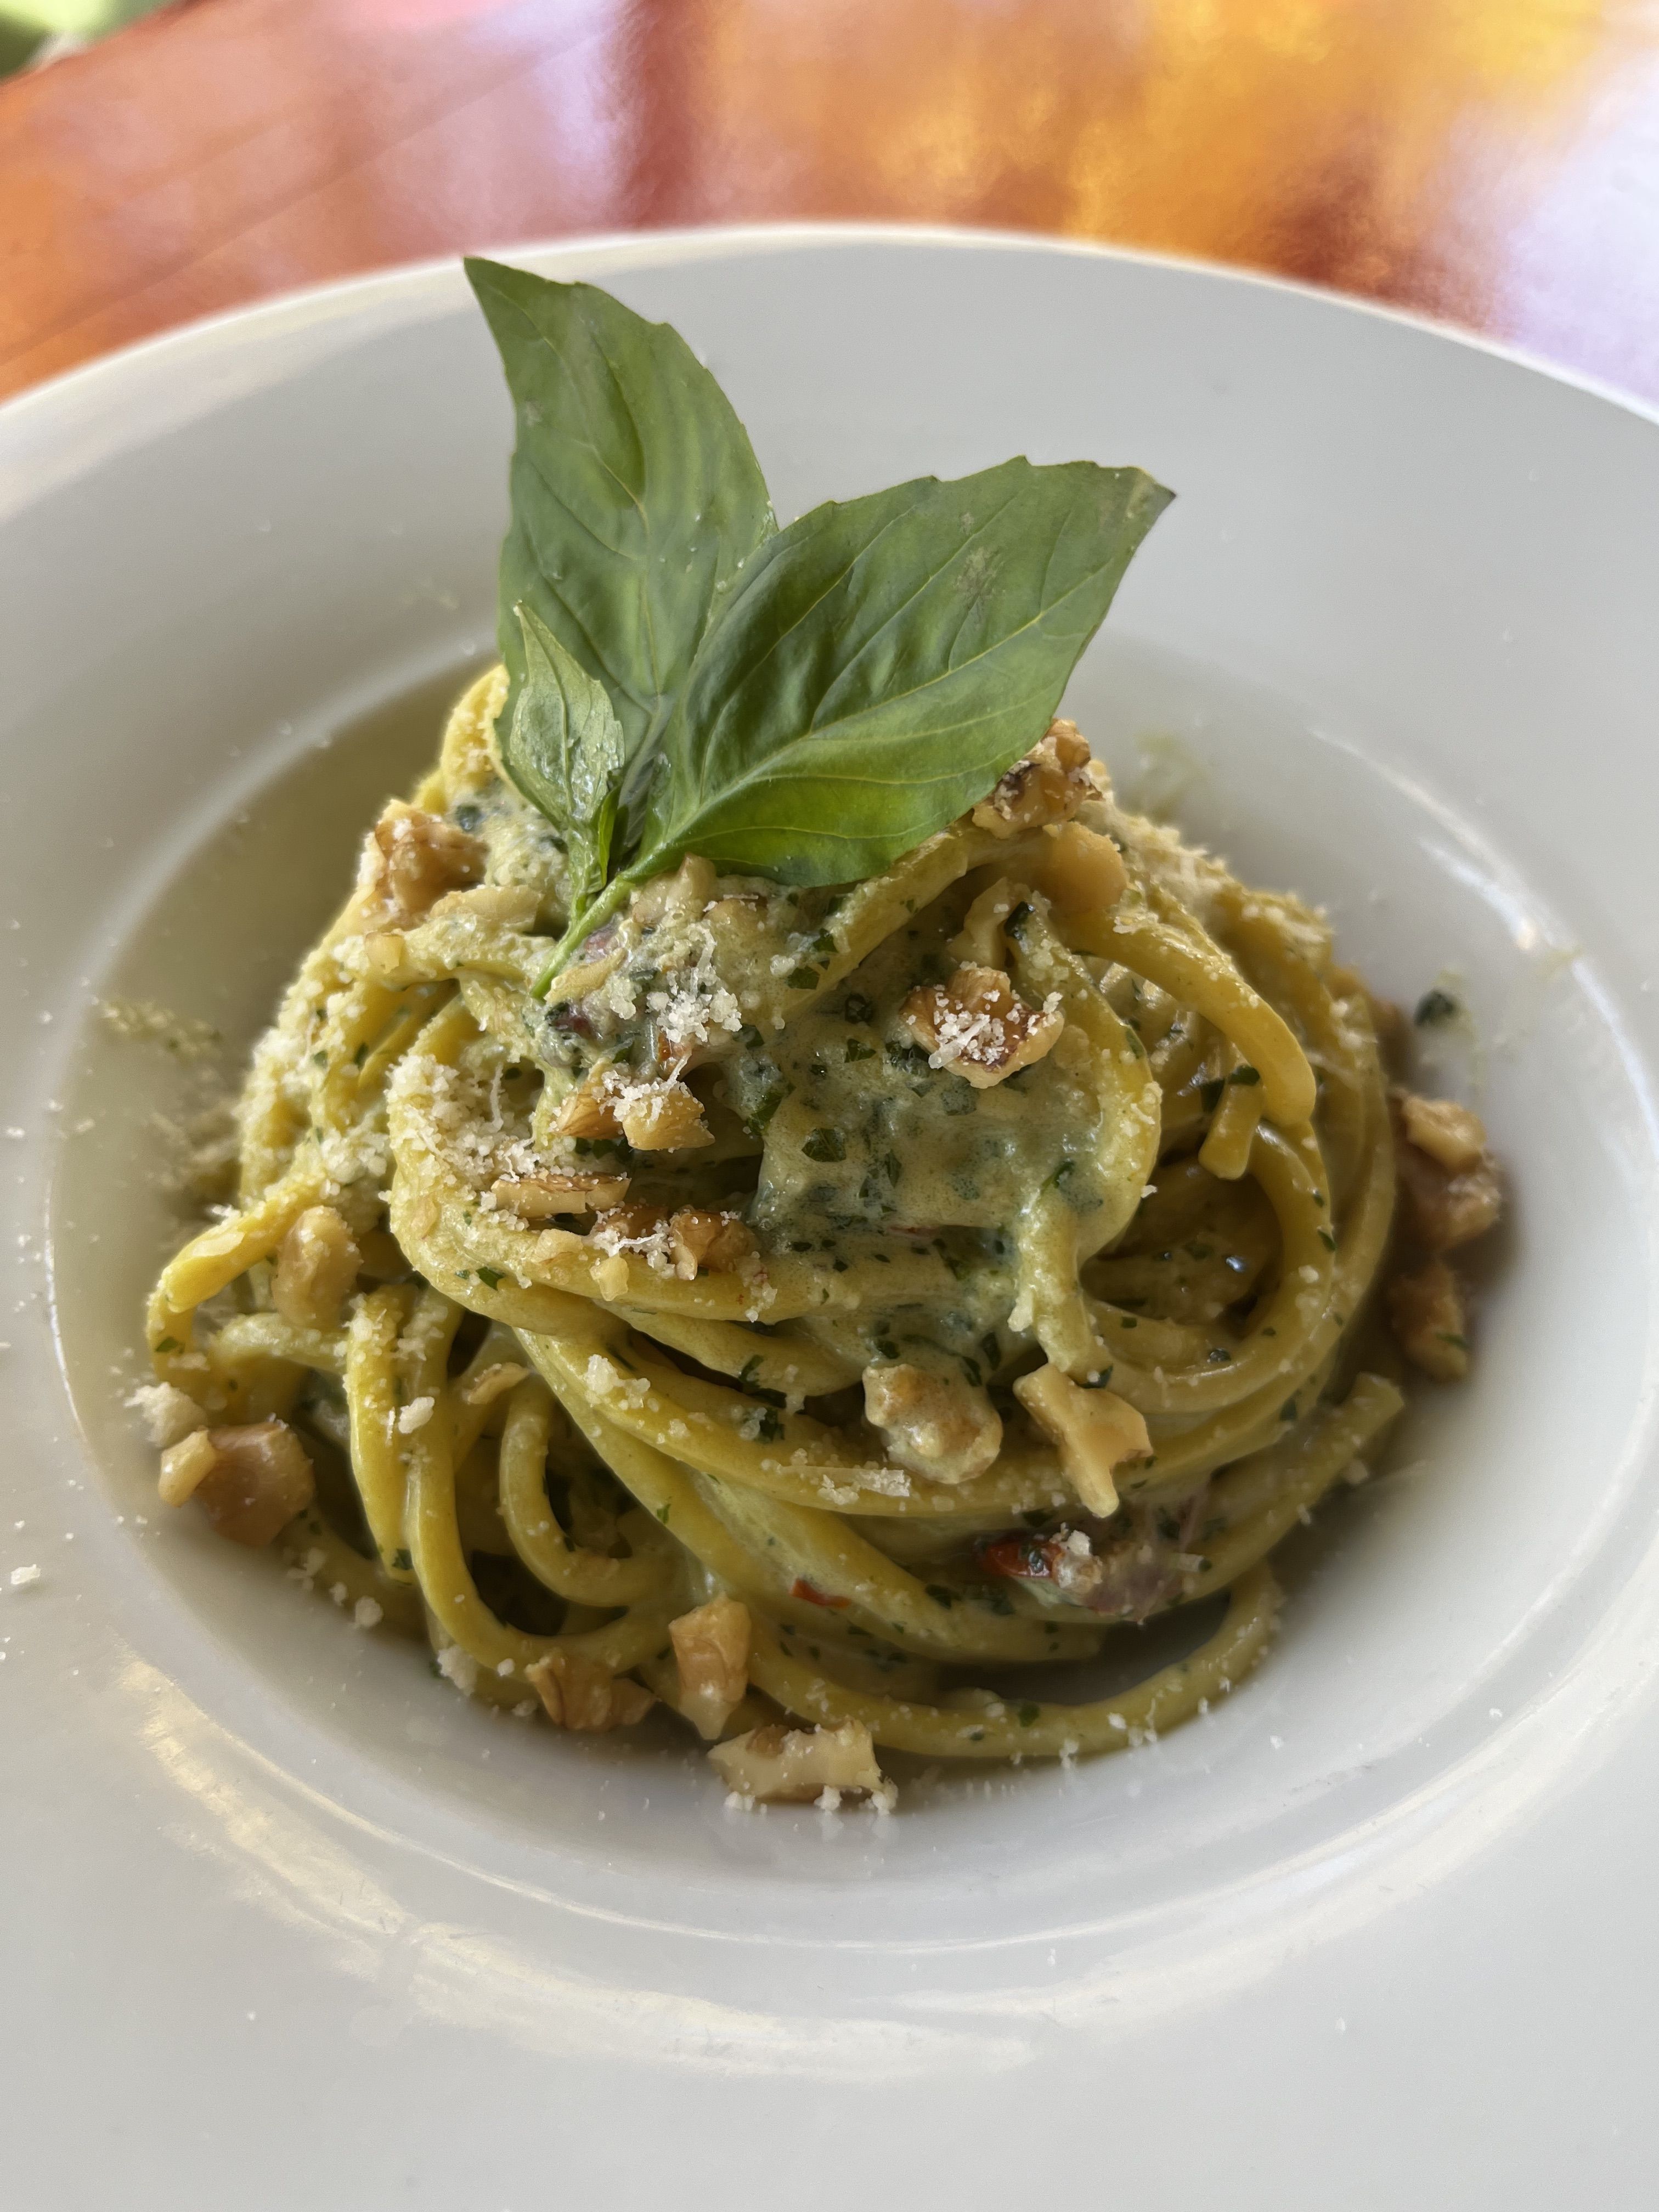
(637, 497)
(806, 704)
(565, 750)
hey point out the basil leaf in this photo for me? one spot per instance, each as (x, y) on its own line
(884, 660)
(636, 496)
(564, 750)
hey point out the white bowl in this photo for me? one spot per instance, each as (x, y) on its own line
(319, 1932)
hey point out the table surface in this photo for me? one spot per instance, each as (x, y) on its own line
(1495, 162)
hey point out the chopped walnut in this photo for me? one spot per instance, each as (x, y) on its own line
(1443, 1208)
(504, 906)
(692, 1240)
(626, 1224)
(709, 1243)
(779, 1765)
(317, 1263)
(978, 1024)
(937, 1425)
(542, 1193)
(1078, 869)
(590, 1111)
(662, 1117)
(1427, 1313)
(250, 1481)
(1049, 785)
(711, 1649)
(1095, 1431)
(583, 1693)
(493, 1382)
(1447, 1133)
(410, 859)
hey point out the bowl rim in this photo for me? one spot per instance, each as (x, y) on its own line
(300, 304)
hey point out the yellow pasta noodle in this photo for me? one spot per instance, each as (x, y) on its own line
(754, 1263)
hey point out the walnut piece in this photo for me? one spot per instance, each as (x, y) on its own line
(317, 1263)
(582, 1693)
(1427, 1313)
(542, 1193)
(711, 1649)
(1049, 785)
(779, 1765)
(628, 1224)
(662, 1117)
(937, 1425)
(1448, 1133)
(249, 1481)
(1078, 870)
(590, 1111)
(694, 1241)
(706, 1243)
(979, 1025)
(1095, 1431)
(1443, 1207)
(410, 859)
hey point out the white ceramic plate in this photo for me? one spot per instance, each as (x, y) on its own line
(286, 1923)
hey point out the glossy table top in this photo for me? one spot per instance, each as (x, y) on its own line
(1495, 162)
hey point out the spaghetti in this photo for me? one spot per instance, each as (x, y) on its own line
(822, 1309)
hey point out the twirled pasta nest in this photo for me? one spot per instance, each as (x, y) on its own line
(823, 1309)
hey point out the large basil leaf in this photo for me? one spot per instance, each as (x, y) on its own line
(885, 660)
(564, 748)
(636, 495)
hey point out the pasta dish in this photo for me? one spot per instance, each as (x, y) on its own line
(806, 1217)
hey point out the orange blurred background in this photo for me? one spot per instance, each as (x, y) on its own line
(1493, 162)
